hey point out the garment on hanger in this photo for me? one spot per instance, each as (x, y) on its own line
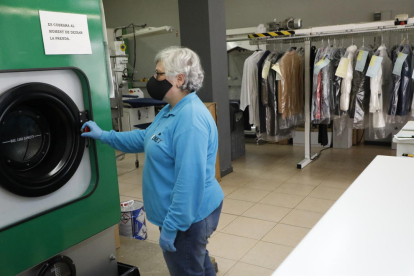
(342, 121)
(313, 53)
(327, 81)
(274, 132)
(262, 109)
(412, 84)
(290, 90)
(269, 100)
(320, 100)
(331, 91)
(346, 84)
(265, 73)
(402, 94)
(359, 100)
(285, 126)
(336, 56)
(322, 92)
(330, 82)
(381, 87)
(249, 89)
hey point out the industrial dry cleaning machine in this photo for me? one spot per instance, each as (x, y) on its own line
(58, 191)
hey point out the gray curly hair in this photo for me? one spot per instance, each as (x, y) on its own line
(181, 60)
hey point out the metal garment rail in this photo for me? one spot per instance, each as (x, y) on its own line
(307, 40)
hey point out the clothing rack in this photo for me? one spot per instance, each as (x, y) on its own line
(308, 36)
(317, 37)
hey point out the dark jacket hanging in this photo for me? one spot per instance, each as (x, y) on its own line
(359, 101)
(336, 81)
(269, 99)
(402, 94)
(312, 61)
(262, 110)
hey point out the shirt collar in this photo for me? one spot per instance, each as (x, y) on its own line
(179, 105)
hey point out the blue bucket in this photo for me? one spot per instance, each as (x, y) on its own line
(132, 223)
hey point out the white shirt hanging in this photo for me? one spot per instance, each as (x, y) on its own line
(377, 96)
(250, 88)
(346, 85)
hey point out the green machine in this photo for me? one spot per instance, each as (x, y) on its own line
(59, 196)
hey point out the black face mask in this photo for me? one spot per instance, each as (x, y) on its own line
(158, 89)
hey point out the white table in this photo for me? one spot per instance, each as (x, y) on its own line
(405, 145)
(368, 231)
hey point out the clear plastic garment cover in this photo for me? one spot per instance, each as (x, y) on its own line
(346, 85)
(269, 87)
(320, 101)
(336, 84)
(270, 100)
(400, 104)
(381, 87)
(341, 121)
(290, 90)
(359, 99)
(326, 90)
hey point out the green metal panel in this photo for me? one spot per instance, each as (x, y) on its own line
(27, 244)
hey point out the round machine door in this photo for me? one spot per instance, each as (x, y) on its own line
(41, 146)
(59, 265)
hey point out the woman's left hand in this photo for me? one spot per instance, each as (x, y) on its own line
(167, 244)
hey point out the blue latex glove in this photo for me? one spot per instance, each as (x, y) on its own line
(166, 243)
(95, 130)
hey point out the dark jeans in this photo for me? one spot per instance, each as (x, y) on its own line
(191, 257)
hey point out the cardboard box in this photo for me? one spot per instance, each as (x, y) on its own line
(212, 107)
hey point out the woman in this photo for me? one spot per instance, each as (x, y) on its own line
(180, 191)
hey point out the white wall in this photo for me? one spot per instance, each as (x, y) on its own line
(248, 13)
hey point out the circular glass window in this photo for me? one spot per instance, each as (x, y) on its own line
(24, 138)
(41, 146)
(59, 265)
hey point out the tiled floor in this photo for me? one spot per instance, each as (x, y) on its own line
(269, 205)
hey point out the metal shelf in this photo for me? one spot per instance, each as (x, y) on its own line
(319, 36)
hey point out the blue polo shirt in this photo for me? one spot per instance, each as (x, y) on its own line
(179, 184)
